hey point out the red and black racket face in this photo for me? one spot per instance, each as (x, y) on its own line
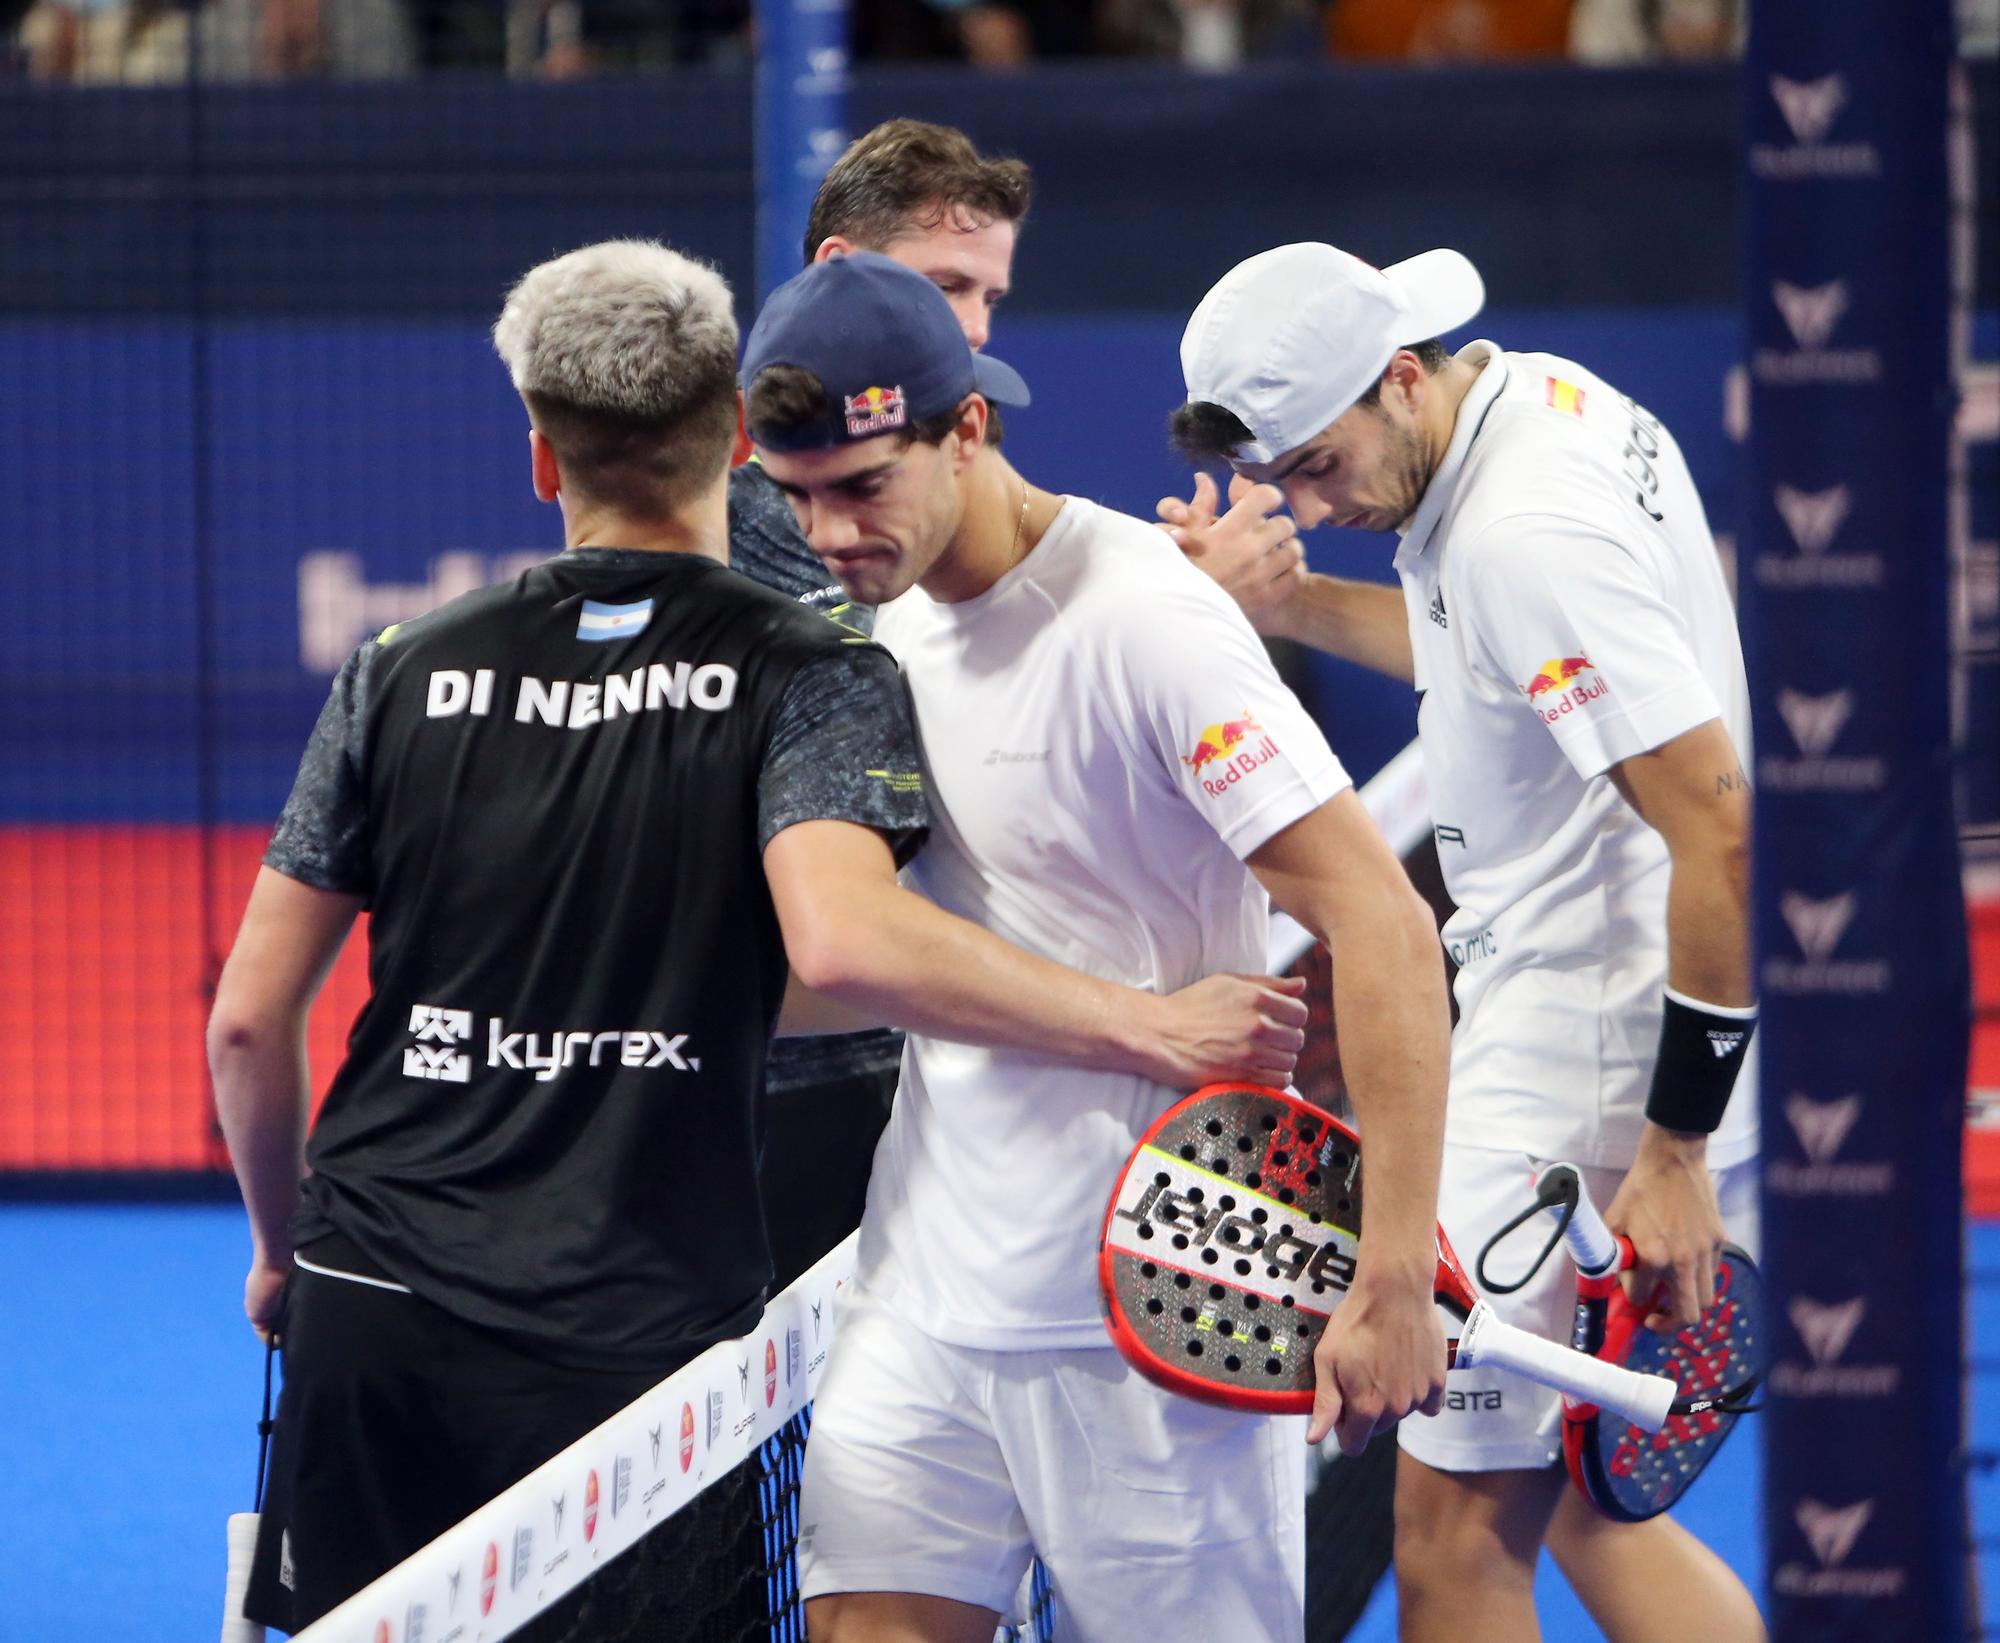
(1630, 1474)
(1230, 1238)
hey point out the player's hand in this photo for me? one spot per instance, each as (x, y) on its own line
(1228, 1026)
(1666, 1206)
(1252, 551)
(1380, 1358)
(264, 1294)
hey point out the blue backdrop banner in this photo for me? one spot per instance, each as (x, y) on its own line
(1860, 913)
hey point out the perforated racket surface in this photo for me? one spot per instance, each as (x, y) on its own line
(1229, 1240)
(1625, 1472)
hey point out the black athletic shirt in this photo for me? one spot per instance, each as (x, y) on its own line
(554, 795)
(765, 545)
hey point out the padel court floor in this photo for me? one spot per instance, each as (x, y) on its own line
(130, 1384)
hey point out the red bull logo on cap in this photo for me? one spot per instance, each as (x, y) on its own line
(1562, 678)
(489, 1577)
(770, 1373)
(1216, 758)
(590, 1507)
(875, 411)
(687, 1435)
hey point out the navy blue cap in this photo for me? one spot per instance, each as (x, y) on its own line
(882, 340)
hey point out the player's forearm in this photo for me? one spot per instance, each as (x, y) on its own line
(1362, 622)
(262, 1091)
(1708, 921)
(895, 959)
(1394, 1032)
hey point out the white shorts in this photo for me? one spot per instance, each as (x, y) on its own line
(945, 1470)
(1493, 1421)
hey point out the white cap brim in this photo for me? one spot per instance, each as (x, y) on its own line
(1443, 291)
(1290, 339)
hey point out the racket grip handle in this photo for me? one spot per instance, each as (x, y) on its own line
(1592, 1245)
(1487, 1342)
(242, 1546)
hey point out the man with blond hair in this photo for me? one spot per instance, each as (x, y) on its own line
(594, 814)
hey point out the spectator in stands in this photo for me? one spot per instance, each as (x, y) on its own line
(1445, 30)
(1006, 34)
(1650, 31)
(152, 42)
(1206, 34)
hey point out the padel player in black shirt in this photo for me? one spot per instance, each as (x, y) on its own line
(594, 814)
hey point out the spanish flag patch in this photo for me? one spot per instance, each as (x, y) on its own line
(1565, 396)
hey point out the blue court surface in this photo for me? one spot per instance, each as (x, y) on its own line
(130, 1385)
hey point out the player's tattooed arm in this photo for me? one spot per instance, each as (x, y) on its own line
(1705, 819)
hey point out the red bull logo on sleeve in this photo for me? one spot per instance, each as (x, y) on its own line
(875, 411)
(1221, 758)
(1563, 684)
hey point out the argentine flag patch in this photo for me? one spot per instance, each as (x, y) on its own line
(603, 622)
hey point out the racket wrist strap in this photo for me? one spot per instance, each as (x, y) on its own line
(1701, 1051)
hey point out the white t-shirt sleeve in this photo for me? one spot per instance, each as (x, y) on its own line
(1206, 705)
(1575, 624)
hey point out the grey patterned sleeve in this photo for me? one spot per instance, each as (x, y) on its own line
(844, 748)
(322, 834)
(764, 540)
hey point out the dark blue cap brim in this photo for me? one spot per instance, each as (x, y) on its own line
(999, 381)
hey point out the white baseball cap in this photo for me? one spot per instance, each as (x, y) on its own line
(1291, 338)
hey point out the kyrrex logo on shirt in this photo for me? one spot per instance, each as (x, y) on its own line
(444, 1035)
(439, 1036)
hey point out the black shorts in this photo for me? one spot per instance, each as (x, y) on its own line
(397, 1420)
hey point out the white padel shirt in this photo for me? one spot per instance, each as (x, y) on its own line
(1567, 611)
(1104, 739)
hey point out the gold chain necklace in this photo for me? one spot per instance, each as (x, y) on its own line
(1020, 526)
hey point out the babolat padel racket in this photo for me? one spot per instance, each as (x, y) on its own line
(1233, 1234)
(1627, 1472)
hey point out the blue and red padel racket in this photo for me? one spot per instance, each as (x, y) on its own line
(1628, 1472)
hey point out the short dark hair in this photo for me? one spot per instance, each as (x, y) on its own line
(1203, 431)
(640, 464)
(786, 401)
(910, 175)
